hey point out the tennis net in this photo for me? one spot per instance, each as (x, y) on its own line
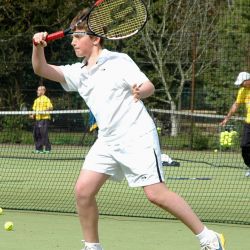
(202, 162)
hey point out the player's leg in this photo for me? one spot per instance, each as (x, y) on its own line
(245, 147)
(37, 137)
(142, 165)
(160, 195)
(46, 136)
(245, 151)
(86, 188)
(171, 202)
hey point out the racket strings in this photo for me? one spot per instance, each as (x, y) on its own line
(116, 19)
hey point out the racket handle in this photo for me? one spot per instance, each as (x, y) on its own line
(54, 36)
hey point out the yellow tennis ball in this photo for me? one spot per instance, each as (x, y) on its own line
(1, 211)
(215, 150)
(8, 226)
(159, 130)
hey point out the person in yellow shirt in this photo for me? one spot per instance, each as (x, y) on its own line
(243, 97)
(40, 132)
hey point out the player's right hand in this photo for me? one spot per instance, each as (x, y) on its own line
(39, 39)
(136, 92)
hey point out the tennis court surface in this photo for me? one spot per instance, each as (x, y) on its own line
(59, 231)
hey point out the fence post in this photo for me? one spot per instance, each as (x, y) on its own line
(192, 104)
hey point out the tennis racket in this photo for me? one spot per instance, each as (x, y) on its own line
(111, 19)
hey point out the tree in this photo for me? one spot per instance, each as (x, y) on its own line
(231, 54)
(176, 38)
(19, 20)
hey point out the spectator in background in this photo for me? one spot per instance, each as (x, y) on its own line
(40, 133)
(243, 97)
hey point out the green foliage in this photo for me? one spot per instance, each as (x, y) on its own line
(19, 20)
(200, 141)
(217, 32)
(12, 129)
(230, 54)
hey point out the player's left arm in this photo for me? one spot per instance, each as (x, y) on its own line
(49, 105)
(143, 90)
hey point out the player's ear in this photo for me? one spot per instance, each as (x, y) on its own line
(96, 40)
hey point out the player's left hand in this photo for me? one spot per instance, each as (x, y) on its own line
(136, 92)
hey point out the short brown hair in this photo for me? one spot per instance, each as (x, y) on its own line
(82, 25)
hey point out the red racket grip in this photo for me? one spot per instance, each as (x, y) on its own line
(53, 36)
(98, 2)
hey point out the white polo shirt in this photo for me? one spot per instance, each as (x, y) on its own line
(106, 89)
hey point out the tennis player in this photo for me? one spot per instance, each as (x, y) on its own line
(243, 97)
(112, 86)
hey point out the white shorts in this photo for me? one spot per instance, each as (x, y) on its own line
(137, 159)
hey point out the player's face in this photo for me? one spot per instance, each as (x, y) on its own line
(40, 91)
(82, 43)
(246, 84)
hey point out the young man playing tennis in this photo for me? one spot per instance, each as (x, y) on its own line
(243, 97)
(127, 146)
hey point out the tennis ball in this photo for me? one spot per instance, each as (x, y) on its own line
(215, 150)
(159, 130)
(8, 226)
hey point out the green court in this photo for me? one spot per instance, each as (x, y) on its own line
(59, 231)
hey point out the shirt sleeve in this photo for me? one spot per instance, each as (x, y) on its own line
(241, 96)
(72, 75)
(132, 73)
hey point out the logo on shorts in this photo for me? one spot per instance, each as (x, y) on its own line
(143, 177)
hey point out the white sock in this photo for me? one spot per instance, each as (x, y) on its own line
(96, 245)
(205, 235)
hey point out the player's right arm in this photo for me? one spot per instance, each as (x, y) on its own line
(232, 110)
(39, 62)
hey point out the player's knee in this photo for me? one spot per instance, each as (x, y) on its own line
(159, 196)
(82, 192)
(153, 197)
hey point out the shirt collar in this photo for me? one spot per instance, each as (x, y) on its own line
(103, 57)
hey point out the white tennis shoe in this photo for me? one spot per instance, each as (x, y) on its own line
(217, 243)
